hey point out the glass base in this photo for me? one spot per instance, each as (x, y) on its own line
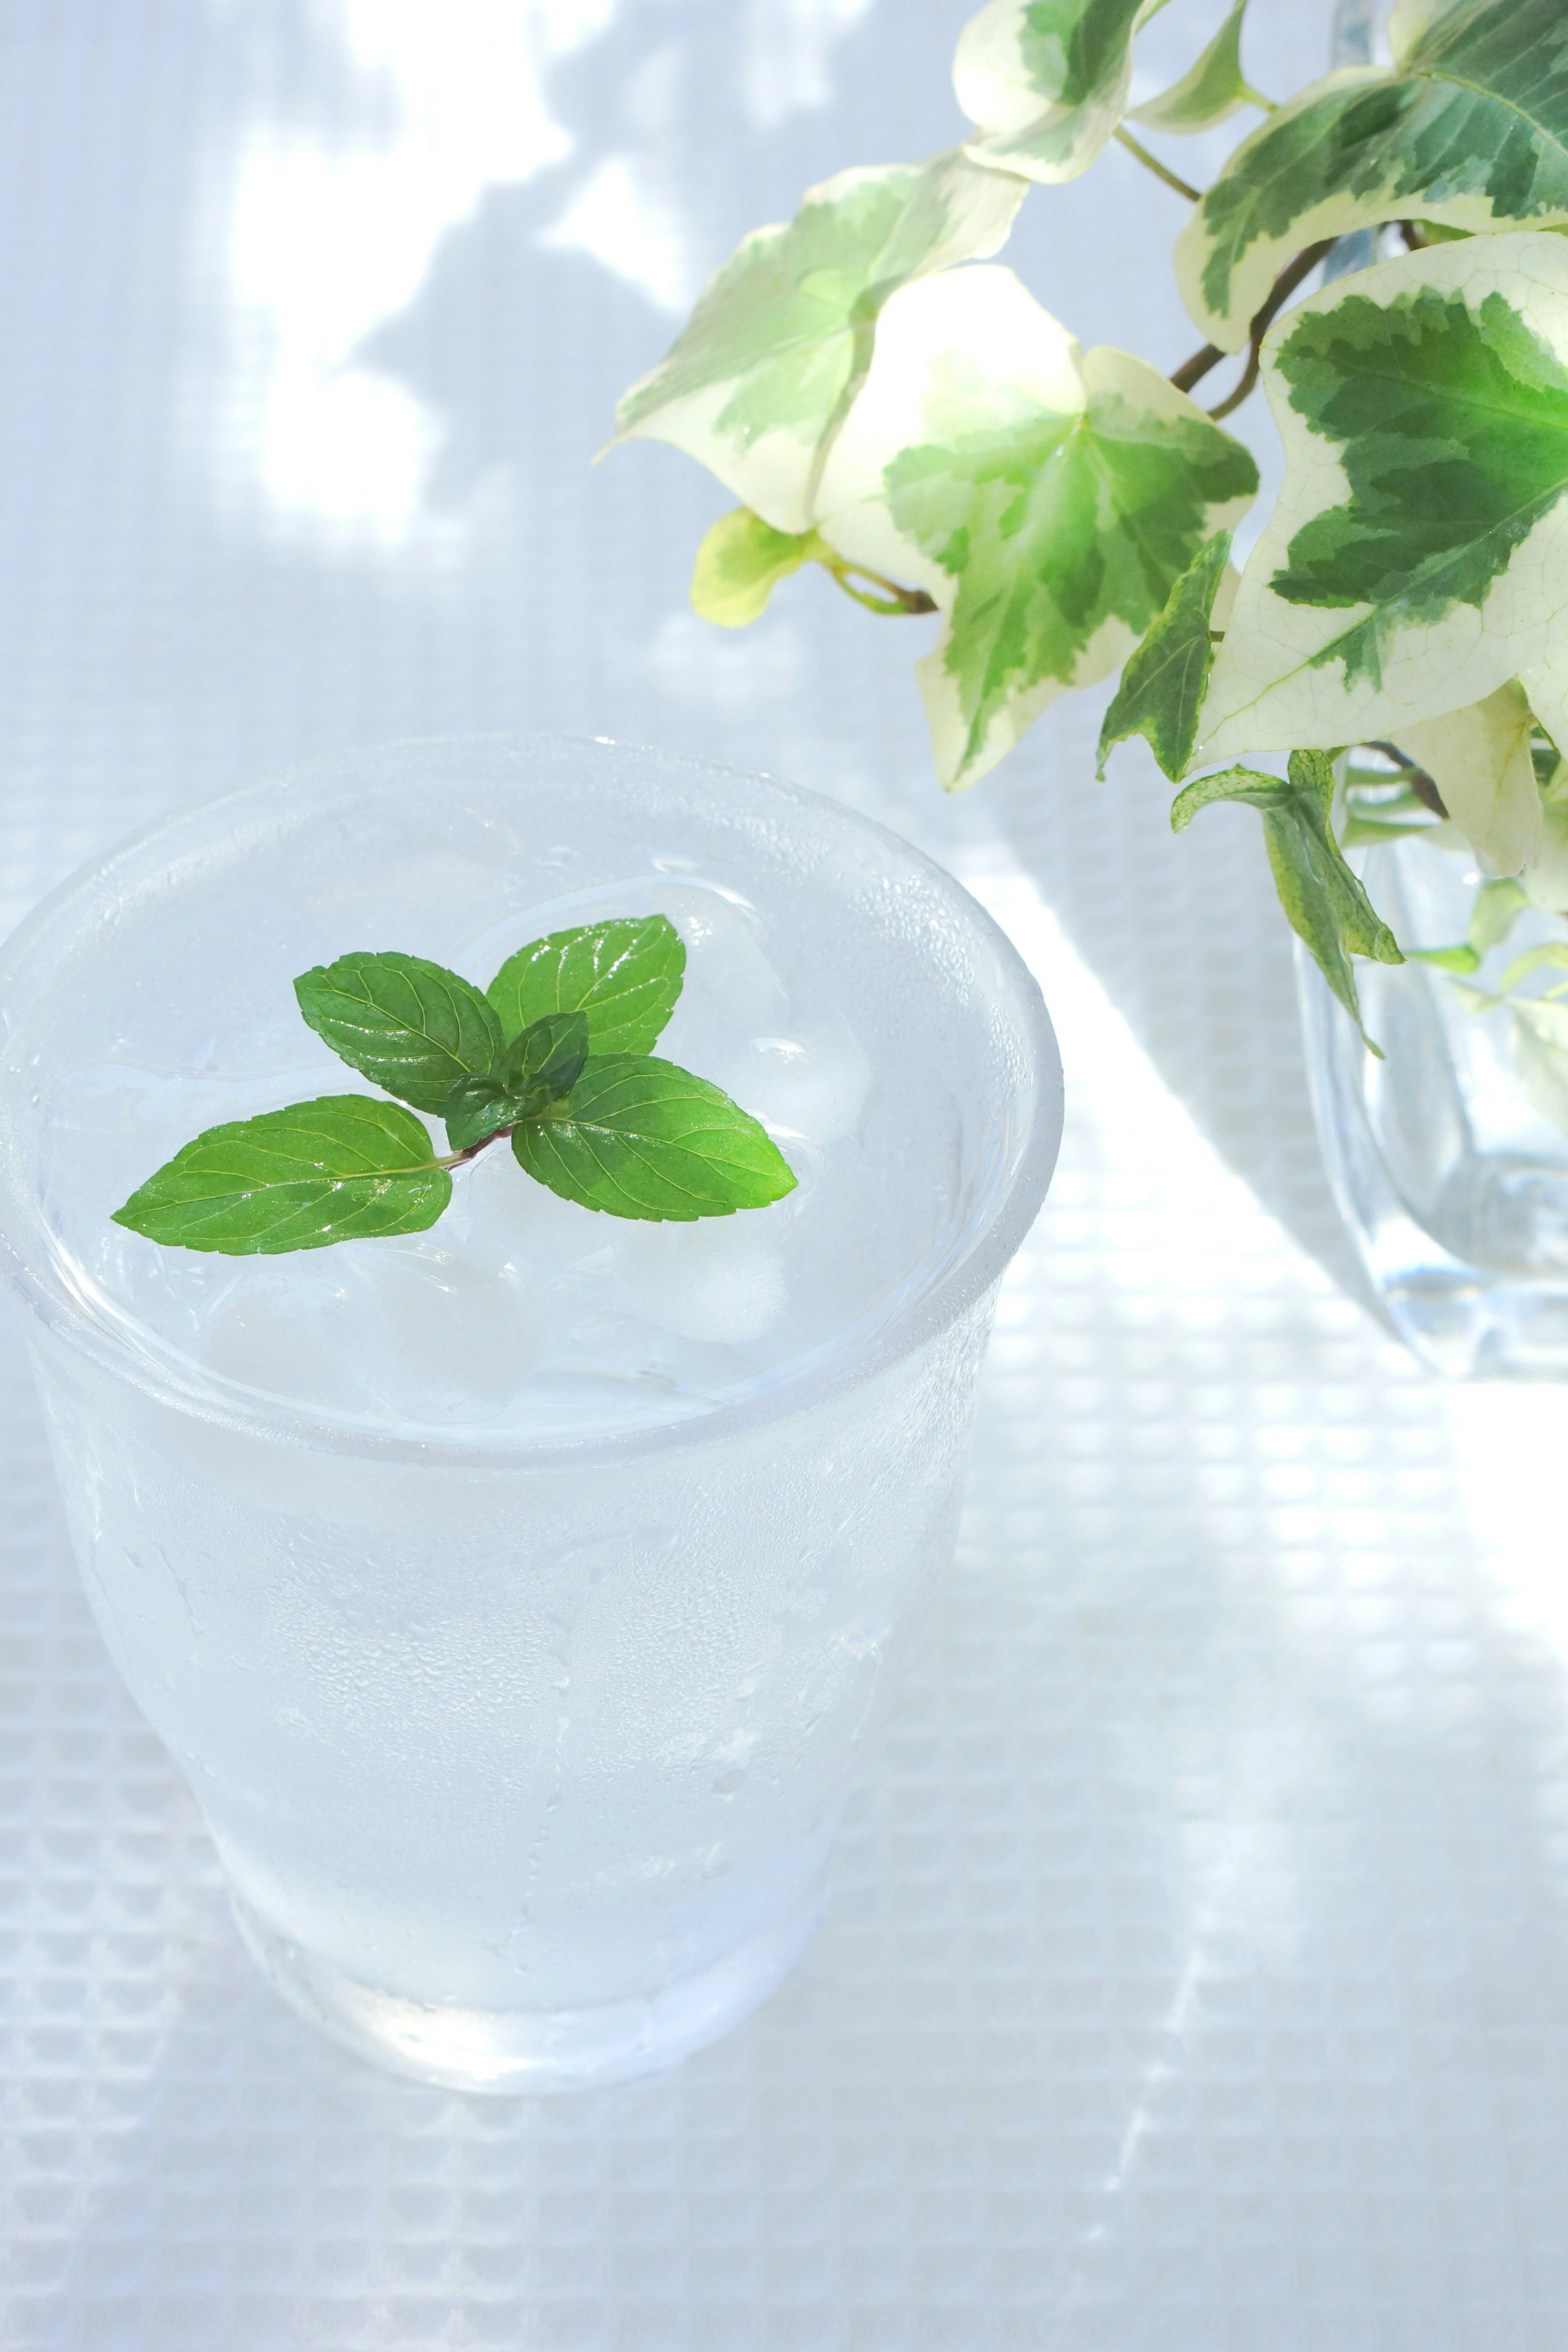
(510, 2051)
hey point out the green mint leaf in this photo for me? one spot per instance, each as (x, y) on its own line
(1422, 531)
(625, 976)
(1046, 81)
(1469, 129)
(1046, 498)
(1164, 683)
(1209, 91)
(1323, 899)
(767, 368)
(740, 564)
(413, 1027)
(535, 1071)
(334, 1170)
(638, 1138)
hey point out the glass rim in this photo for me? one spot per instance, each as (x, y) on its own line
(176, 1380)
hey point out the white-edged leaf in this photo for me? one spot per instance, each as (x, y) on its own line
(1468, 129)
(1046, 81)
(1048, 500)
(759, 382)
(1418, 560)
(1209, 91)
(1479, 759)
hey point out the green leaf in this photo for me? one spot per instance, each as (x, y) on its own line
(1545, 882)
(1479, 759)
(1415, 562)
(1546, 955)
(1163, 686)
(760, 381)
(536, 1070)
(1469, 129)
(1323, 899)
(625, 976)
(1046, 81)
(1462, 960)
(1541, 1059)
(741, 562)
(413, 1027)
(639, 1138)
(1497, 907)
(1210, 90)
(1048, 501)
(339, 1170)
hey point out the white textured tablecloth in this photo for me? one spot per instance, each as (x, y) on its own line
(1195, 1977)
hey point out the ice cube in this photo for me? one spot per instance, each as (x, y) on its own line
(456, 1338)
(278, 1332)
(732, 993)
(814, 1082)
(721, 1280)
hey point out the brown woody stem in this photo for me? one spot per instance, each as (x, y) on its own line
(1419, 781)
(1279, 293)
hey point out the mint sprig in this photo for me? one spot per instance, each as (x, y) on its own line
(534, 1071)
(553, 1053)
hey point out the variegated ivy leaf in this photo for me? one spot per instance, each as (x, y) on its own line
(1209, 91)
(1048, 500)
(1479, 759)
(1327, 906)
(740, 564)
(759, 382)
(1046, 81)
(1469, 129)
(1163, 686)
(1418, 560)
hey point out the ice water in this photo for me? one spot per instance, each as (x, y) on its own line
(515, 1594)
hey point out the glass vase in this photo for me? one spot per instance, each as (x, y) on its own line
(1448, 1156)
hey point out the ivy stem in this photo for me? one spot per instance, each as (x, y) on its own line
(1416, 776)
(1153, 163)
(1284, 286)
(1193, 371)
(1256, 97)
(896, 601)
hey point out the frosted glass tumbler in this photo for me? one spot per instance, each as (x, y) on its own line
(523, 1746)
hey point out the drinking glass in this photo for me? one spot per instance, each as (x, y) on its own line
(522, 1745)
